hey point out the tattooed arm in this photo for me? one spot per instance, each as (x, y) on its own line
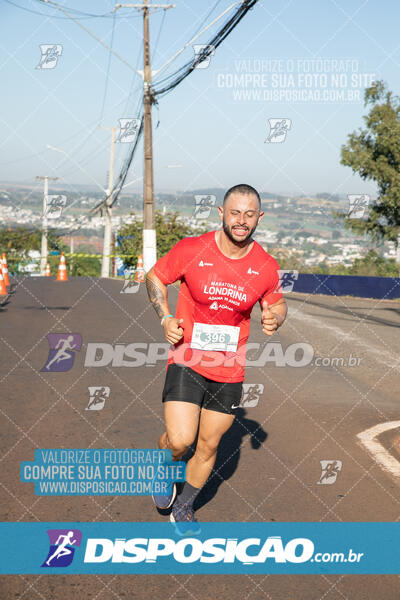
(157, 291)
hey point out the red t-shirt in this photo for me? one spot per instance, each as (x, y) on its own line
(215, 292)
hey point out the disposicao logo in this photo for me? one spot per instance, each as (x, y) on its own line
(62, 547)
(62, 351)
(190, 550)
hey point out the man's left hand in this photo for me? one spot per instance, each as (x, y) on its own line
(269, 320)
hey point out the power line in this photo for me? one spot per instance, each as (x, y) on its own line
(171, 81)
(136, 110)
(150, 97)
(36, 12)
(108, 70)
(123, 175)
(35, 154)
(94, 36)
(83, 15)
(207, 16)
(159, 32)
(174, 80)
(114, 194)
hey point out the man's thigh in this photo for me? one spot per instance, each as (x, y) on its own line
(181, 422)
(213, 425)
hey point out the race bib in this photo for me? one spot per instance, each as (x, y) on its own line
(215, 337)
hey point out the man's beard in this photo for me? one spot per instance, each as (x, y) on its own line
(241, 242)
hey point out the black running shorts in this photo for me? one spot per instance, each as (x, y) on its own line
(182, 384)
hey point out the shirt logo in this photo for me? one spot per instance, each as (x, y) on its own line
(205, 264)
(252, 272)
(216, 306)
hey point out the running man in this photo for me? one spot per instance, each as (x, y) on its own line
(63, 345)
(62, 549)
(223, 274)
(99, 397)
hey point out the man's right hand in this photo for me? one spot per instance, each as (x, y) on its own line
(173, 330)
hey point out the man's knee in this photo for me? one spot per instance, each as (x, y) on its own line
(178, 443)
(207, 447)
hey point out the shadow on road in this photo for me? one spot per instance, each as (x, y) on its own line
(228, 455)
(47, 307)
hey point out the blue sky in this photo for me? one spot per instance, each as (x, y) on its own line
(205, 126)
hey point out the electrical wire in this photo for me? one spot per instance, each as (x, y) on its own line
(83, 15)
(171, 81)
(154, 51)
(206, 18)
(124, 173)
(108, 71)
(131, 100)
(94, 36)
(128, 163)
(36, 12)
(166, 85)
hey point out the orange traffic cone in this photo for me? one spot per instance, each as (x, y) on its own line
(3, 289)
(5, 269)
(62, 269)
(139, 275)
(47, 271)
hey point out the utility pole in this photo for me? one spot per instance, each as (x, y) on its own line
(114, 246)
(149, 231)
(71, 250)
(105, 264)
(43, 250)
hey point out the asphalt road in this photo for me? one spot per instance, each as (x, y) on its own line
(331, 372)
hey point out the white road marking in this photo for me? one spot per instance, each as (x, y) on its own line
(382, 456)
(381, 356)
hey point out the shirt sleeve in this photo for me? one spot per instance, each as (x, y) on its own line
(273, 291)
(171, 266)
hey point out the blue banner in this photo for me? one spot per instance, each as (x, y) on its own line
(154, 548)
(348, 285)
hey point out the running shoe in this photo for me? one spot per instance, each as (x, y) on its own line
(182, 515)
(164, 501)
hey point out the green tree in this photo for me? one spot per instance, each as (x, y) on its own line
(84, 267)
(293, 261)
(373, 265)
(19, 241)
(374, 153)
(169, 231)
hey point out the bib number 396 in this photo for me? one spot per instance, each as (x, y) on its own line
(215, 337)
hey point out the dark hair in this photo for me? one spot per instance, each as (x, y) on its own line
(242, 188)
